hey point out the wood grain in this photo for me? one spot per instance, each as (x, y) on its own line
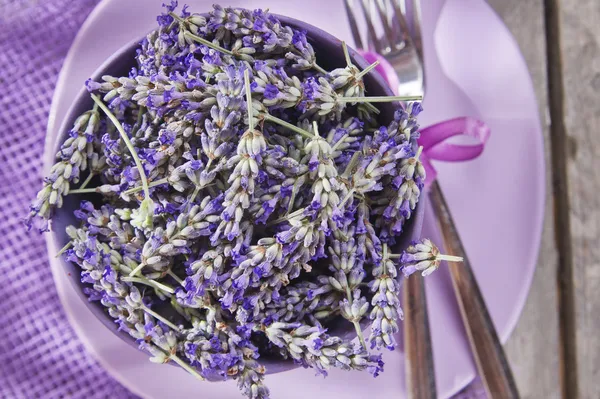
(486, 347)
(559, 160)
(580, 54)
(420, 373)
(533, 348)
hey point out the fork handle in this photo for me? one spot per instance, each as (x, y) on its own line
(487, 349)
(420, 375)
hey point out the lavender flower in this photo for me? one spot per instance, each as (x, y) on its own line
(261, 31)
(312, 347)
(174, 240)
(386, 311)
(246, 198)
(306, 299)
(348, 275)
(425, 257)
(276, 86)
(73, 158)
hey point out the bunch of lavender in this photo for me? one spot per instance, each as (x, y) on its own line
(243, 199)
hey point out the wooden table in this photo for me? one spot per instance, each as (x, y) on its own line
(555, 349)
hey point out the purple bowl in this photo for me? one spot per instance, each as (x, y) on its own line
(330, 55)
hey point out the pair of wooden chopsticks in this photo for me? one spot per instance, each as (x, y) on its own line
(487, 350)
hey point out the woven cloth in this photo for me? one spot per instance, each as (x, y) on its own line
(40, 354)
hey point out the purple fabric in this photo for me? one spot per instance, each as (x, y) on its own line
(40, 354)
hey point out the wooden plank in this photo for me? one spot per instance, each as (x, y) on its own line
(580, 54)
(532, 349)
(560, 155)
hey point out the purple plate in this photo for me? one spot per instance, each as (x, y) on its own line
(498, 208)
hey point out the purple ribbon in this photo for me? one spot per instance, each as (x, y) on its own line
(436, 143)
(436, 139)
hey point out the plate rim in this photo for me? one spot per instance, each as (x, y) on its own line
(540, 189)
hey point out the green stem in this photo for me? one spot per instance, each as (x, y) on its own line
(367, 70)
(419, 151)
(137, 269)
(86, 181)
(186, 367)
(177, 17)
(159, 317)
(319, 69)
(197, 190)
(140, 115)
(449, 258)
(283, 123)
(351, 165)
(175, 277)
(134, 155)
(151, 184)
(251, 123)
(343, 201)
(382, 99)
(359, 332)
(195, 194)
(316, 129)
(83, 190)
(292, 198)
(63, 249)
(150, 283)
(127, 192)
(340, 236)
(346, 54)
(373, 108)
(208, 43)
(284, 218)
(340, 141)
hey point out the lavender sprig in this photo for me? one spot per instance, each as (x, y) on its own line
(314, 348)
(348, 274)
(164, 244)
(74, 155)
(424, 256)
(246, 200)
(386, 311)
(320, 300)
(144, 215)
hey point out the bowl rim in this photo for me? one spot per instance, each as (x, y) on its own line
(52, 144)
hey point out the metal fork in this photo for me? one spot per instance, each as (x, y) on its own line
(396, 45)
(406, 57)
(401, 52)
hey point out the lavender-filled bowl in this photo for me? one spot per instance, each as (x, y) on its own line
(330, 53)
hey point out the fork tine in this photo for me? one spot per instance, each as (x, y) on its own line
(398, 6)
(389, 36)
(350, 12)
(372, 35)
(417, 28)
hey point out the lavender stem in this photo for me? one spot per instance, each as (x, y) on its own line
(132, 151)
(375, 99)
(86, 181)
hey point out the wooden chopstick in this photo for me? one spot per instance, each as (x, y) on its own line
(420, 375)
(489, 356)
